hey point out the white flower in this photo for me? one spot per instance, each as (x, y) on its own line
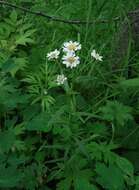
(61, 79)
(71, 46)
(53, 54)
(70, 60)
(45, 92)
(95, 55)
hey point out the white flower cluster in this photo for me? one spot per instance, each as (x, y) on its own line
(70, 59)
(53, 54)
(61, 79)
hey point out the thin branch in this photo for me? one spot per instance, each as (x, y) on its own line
(38, 13)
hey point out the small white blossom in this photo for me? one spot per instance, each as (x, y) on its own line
(71, 60)
(71, 46)
(95, 55)
(45, 92)
(61, 79)
(53, 54)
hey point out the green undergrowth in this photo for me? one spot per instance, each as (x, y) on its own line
(84, 134)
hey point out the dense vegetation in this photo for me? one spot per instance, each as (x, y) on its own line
(79, 133)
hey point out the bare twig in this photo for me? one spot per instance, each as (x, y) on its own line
(38, 13)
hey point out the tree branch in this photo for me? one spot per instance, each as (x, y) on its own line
(38, 13)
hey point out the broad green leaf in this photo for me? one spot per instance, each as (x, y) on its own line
(82, 180)
(125, 165)
(9, 177)
(110, 178)
(39, 123)
(14, 65)
(115, 111)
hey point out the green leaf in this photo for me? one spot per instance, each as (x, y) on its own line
(125, 166)
(25, 38)
(14, 65)
(137, 183)
(7, 139)
(116, 112)
(130, 83)
(98, 128)
(65, 184)
(82, 180)
(45, 121)
(22, 40)
(9, 177)
(110, 178)
(13, 16)
(39, 123)
(102, 152)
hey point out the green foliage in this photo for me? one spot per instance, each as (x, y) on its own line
(110, 177)
(10, 177)
(130, 83)
(116, 112)
(125, 166)
(76, 135)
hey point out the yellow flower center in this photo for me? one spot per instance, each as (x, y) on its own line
(72, 47)
(71, 59)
